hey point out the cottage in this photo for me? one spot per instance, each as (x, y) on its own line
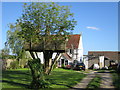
(74, 51)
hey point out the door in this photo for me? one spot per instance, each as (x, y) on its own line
(62, 63)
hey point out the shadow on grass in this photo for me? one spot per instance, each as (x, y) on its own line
(22, 78)
(62, 85)
(26, 72)
(15, 83)
(17, 78)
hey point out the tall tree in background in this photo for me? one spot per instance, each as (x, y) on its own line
(4, 53)
(14, 41)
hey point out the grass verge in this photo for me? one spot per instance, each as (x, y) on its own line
(59, 78)
(116, 79)
(94, 83)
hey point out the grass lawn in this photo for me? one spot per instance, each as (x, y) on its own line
(94, 83)
(59, 78)
(101, 71)
(86, 71)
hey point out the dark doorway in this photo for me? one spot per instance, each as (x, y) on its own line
(66, 62)
(62, 62)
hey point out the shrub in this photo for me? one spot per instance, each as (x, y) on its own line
(38, 79)
(23, 63)
(116, 79)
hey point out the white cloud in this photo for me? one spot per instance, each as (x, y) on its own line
(94, 28)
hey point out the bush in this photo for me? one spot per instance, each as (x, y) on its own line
(23, 63)
(38, 79)
(116, 79)
(118, 68)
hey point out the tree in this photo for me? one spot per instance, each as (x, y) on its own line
(46, 25)
(14, 41)
(41, 21)
(4, 53)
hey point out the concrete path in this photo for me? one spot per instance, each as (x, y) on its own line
(106, 81)
(83, 84)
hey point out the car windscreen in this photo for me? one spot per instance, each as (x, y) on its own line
(80, 64)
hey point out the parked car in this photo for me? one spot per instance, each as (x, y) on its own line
(79, 66)
(68, 66)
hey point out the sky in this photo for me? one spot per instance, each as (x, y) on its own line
(97, 21)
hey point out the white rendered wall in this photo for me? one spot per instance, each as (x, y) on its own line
(85, 61)
(101, 61)
(68, 52)
(53, 56)
(80, 49)
(40, 55)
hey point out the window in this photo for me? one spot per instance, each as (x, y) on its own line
(70, 51)
(66, 62)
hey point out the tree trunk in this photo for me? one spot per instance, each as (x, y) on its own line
(32, 54)
(54, 62)
(36, 54)
(47, 61)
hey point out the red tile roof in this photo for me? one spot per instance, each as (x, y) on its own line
(73, 41)
(114, 55)
(67, 56)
